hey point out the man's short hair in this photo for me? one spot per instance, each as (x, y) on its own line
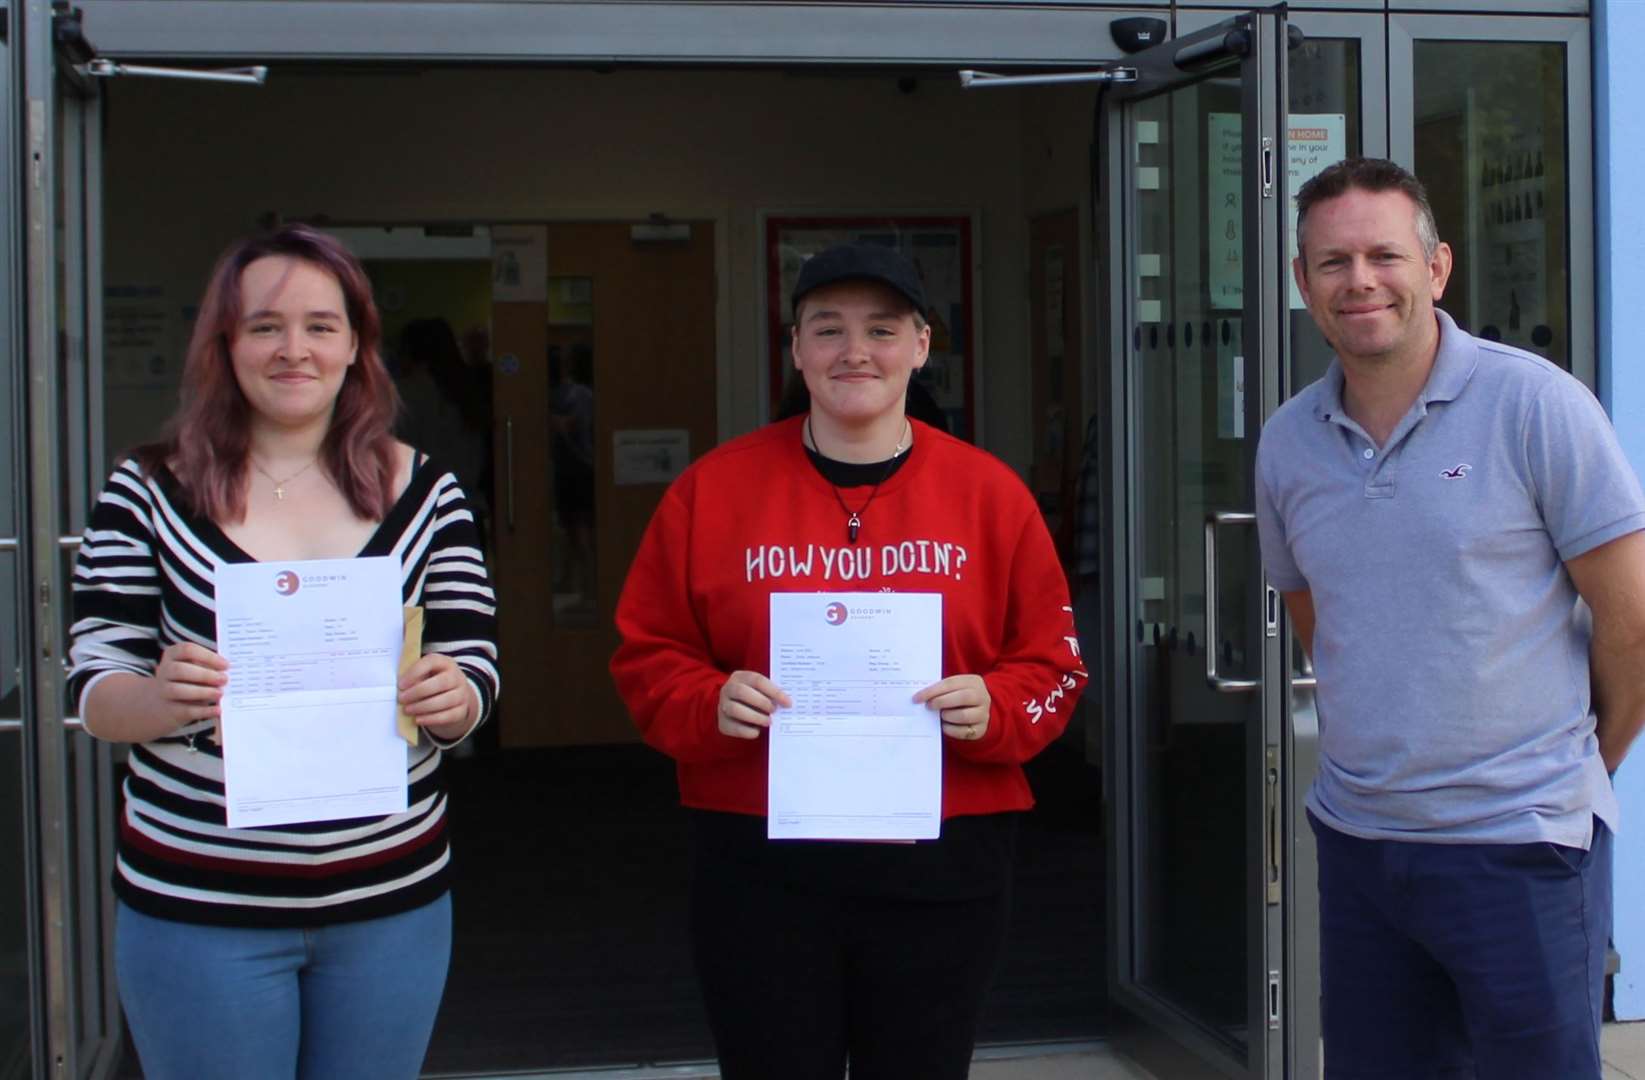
(1375, 175)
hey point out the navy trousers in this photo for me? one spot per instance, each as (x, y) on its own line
(1477, 961)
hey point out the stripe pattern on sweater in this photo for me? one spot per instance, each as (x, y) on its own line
(144, 580)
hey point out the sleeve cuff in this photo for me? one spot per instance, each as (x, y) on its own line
(85, 692)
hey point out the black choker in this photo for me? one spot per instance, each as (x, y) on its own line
(853, 522)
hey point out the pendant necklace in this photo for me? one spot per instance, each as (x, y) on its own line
(853, 518)
(280, 485)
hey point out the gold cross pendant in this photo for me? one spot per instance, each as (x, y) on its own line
(280, 492)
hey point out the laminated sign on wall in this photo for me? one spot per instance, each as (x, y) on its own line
(519, 263)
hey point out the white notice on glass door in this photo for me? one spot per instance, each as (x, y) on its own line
(855, 758)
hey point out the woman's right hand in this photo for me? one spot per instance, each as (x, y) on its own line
(189, 682)
(746, 701)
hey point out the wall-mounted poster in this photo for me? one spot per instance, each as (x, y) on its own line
(940, 248)
(519, 263)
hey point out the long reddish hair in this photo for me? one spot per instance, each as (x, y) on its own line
(208, 439)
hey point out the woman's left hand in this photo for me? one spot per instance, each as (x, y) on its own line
(963, 703)
(435, 693)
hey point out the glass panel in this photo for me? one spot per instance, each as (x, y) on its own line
(1490, 146)
(1191, 461)
(1324, 124)
(91, 795)
(571, 448)
(1192, 453)
(14, 952)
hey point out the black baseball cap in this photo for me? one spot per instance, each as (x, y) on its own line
(860, 262)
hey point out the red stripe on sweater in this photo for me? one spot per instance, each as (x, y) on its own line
(148, 845)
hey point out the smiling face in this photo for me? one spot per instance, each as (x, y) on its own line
(1368, 282)
(856, 344)
(293, 344)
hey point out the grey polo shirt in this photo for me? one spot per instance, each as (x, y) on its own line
(1450, 645)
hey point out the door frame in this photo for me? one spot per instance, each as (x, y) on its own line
(15, 543)
(1191, 1049)
(70, 775)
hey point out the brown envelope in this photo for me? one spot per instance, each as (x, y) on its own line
(411, 650)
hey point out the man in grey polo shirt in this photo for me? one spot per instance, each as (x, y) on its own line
(1458, 540)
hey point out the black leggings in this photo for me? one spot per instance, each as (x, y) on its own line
(797, 981)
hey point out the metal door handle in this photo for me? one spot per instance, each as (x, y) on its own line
(1306, 680)
(508, 466)
(1219, 683)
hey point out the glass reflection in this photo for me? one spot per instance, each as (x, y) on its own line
(1490, 147)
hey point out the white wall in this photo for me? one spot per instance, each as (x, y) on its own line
(1619, 160)
(189, 168)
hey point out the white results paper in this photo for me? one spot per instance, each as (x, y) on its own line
(855, 758)
(308, 718)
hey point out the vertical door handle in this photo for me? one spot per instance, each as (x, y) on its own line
(1275, 869)
(1219, 683)
(508, 468)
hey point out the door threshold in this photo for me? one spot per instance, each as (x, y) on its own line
(708, 1070)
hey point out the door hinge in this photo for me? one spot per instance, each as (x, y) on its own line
(1271, 805)
(1267, 167)
(1273, 1000)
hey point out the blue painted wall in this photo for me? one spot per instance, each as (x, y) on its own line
(1619, 170)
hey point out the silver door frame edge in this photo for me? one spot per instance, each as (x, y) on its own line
(44, 736)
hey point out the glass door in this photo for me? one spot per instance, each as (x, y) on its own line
(1193, 176)
(68, 777)
(1337, 106)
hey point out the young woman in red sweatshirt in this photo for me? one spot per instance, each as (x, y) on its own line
(814, 953)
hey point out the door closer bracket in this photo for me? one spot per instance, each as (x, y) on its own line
(103, 68)
(978, 80)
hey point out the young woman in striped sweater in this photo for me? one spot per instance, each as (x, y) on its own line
(315, 950)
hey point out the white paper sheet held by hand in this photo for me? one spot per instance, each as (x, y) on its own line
(308, 717)
(855, 758)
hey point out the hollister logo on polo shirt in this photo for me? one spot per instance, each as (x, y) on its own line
(1458, 473)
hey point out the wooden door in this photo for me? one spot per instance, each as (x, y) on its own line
(625, 342)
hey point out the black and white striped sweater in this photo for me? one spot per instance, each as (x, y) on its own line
(144, 579)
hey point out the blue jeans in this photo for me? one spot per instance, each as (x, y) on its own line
(1462, 961)
(353, 1000)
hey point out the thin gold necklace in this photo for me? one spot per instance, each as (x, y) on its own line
(280, 485)
(853, 519)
